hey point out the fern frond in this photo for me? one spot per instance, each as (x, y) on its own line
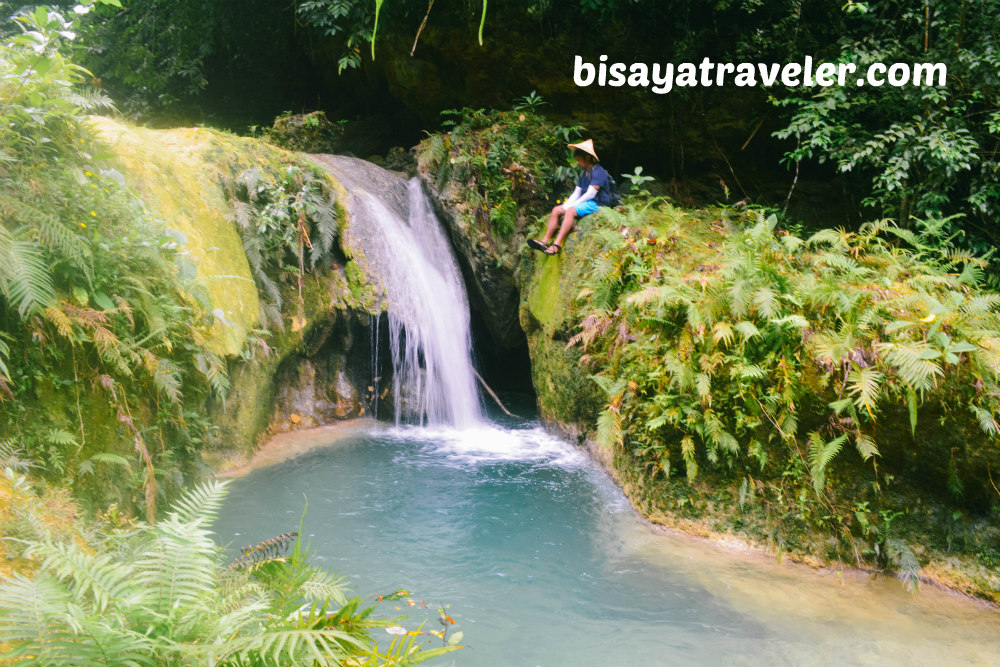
(914, 362)
(748, 330)
(167, 378)
(302, 646)
(865, 446)
(176, 567)
(12, 457)
(863, 385)
(723, 332)
(905, 562)
(987, 421)
(38, 620)
(201, 504)
(740, 298)
(25, 278)
(612, 388)
(688, 454)
(101, 578)
(766, 301)
(820, 455)
(609, 429)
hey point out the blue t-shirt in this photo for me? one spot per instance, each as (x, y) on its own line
(598, 177)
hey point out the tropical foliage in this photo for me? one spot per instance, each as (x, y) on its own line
(294, 218)
(917, 152)
(108, 357)
(164, 595)
(92, 289)
(805, 370)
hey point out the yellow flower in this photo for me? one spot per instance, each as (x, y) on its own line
(93, 213)
(88, 173)
(83, 224)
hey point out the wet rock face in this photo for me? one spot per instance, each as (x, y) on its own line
(325, 382)
(312, 398)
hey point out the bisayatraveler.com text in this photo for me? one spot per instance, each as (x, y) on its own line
(661, 78)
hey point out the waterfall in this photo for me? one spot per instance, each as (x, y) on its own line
(428, 314)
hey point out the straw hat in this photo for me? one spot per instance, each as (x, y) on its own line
(587, 147)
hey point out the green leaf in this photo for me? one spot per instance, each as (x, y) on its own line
(103, 301)
(911, 403)
(987, 422)
(864, 387)
(897, 325)
(964, 346)
(866, 446)
(609, 429)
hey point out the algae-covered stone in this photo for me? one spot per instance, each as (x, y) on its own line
(567, 397)
(311, 133)
(175, 173)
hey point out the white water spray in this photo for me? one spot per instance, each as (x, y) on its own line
(434, 381)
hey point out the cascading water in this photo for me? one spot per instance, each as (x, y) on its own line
(428, 314)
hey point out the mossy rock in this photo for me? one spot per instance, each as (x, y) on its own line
(309, 133)
(550, 285)
(176, 173)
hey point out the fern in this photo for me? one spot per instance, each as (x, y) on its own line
(612, 388)
(24, 275)
(161, 595)
(748, 330)
(865, 446)
(863, 385)
(820, 455)
(200, 505)
(987, 421)
(12, 457)
(901, 557)
(688, 454)
(609, 429)
(766, 302)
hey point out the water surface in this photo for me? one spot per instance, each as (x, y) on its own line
(544, 562)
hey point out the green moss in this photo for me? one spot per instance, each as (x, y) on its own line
(363, 293)
(545, 295)
(174, 173)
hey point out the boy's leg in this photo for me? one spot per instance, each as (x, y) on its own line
(553, 224)
(567, 226)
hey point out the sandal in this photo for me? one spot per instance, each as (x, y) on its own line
(550, 251)
(537, 245)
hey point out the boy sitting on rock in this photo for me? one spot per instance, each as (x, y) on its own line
(591, 192)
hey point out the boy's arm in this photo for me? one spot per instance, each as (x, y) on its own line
(588, 195)
(572, 198)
